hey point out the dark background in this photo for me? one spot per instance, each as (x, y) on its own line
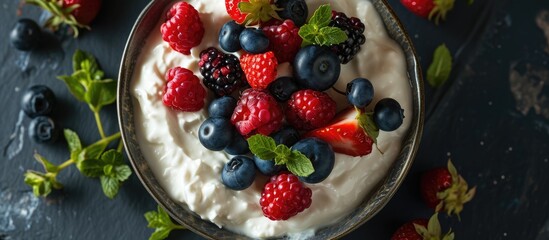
(491, 118)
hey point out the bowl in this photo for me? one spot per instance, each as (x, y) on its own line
(370, 206)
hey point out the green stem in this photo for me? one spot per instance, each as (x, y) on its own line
(120, 146)
(65, 164)
(110, 138)
(99, 125)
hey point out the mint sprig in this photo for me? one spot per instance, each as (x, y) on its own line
(441, 67)
(162, 224)
(265, 147)
(95, 161)
(317, 31)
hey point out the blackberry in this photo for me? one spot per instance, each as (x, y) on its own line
(354, 29)
(222, 72)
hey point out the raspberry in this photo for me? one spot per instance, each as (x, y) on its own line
(354, 29)
(183, 90)
(222, 73)
(257, 112)
(284, 196)
(260, 69)
(309, 109)
(284, 40)
(183, 29)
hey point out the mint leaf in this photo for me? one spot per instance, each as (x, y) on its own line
(122, 172)
(40, 185)
(161, 222)
(110, 186)
(332, 35)
(73, 141)
(92, 168)
(299, 164)
(100, 93)
(441, 67)
(262, 146)
(282, 154)
(75, 87)
(93, 151)
(112, 157)
(48, 166)
(79, 57)
(367, 123)
(322, 16)
(308, 33)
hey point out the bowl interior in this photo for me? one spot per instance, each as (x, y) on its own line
(366, 210)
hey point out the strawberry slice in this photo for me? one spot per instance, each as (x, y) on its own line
(345, 135)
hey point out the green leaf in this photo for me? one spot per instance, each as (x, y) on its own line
(299, 164)
(110, 186)
(40, 185)
(95, 150)
(283, 152)
(332, 35)
(107, 170)
(112, 157)
(322, 16)
(91, 168)
(80, 57)
(75, 87)
(308, 32)
(73, 141)
(441, 67)
(161, 222)
(262, 146)
(100, 93)
(122, 172)
(367, 123)
(48, 166)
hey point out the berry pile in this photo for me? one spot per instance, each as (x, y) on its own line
(37, 103)
(289, 123)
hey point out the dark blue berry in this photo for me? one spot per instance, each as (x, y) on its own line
(38, 100)
(238, 145)
(238, 173)
(25, 35)
(388, 114)
(43, 130)
(287, 136)
(282, 88)
(254, 41)
(296, 10)
(321, 155)
(222, 107)
(216, 133)
(316, 68)
(229, 36)
(267, 167)
(360, 92)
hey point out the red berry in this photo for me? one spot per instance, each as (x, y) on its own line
(257, 11)
(445, 188)
(233, 11)
(309, 109)
(183, 29)
(284, 40)
(87, 10)
(260, 69)
(257, 112)
(429, 8)
(408, 231)
(183, 90)
(284, 196)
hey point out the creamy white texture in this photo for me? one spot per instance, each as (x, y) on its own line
(191, 174)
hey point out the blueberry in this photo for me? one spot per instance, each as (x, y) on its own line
(238, 145)
(321, 155)
(267, 167)
(282, 88)
(388, 114)
(216, 133)
(25, 35)
(254, 41)
(222, 107)
(43, 130)
(360, 92)
(287, 136)
(229, 36)
(238, 173)
(316, 68)
(296, 10)
(38, 100)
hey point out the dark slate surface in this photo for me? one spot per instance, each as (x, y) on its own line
(491, 118)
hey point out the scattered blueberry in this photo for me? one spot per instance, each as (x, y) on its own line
(316, 68)
(360, 92)
(43, 130)
(282, 88)
(321, 155)
(229, 36)
(222, 107)
(267, 167)
(238, 145)
(254, 40)
(38, 100)
(238, 173)
(388, 114)
(216, 133)
(296, 10)
(287, 136)
(25, 35)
